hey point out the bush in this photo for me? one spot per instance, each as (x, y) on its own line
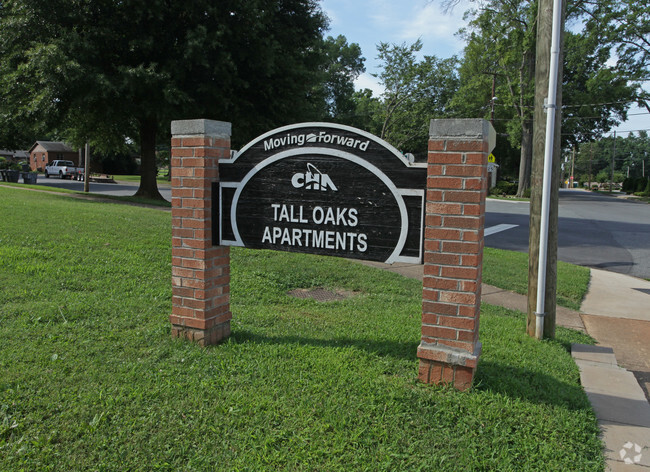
(603, 176)
(646, 191)
(629, 185)
(504, 187)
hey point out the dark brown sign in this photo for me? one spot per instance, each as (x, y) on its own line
(322, 188)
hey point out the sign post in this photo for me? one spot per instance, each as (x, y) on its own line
(329, 189)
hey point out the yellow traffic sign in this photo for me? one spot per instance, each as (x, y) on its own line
(491, 158)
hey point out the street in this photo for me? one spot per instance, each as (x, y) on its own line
(599, 231)
(595, 230)
(121, 189)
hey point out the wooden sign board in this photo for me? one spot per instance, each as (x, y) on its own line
(322, 188)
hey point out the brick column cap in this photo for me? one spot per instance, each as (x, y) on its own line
(218, 129)
(463, 128)
(450, 355)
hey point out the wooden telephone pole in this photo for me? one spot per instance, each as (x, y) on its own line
(542, 68)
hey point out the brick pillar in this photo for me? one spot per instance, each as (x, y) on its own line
(453, 250)
(200, 271)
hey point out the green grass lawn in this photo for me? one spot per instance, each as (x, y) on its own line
(509, 270)
(91, 379)
(123, 199)
(161, 177)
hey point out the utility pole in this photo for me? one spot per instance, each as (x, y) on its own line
(542, 254)
(87, 169)
(494, 86)
(591, 156)
(611, 178)
(573, 164)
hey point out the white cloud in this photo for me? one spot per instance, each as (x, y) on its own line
(420, 19)
(367, 81)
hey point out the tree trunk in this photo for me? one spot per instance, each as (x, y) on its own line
(148, 185)
(526, 157)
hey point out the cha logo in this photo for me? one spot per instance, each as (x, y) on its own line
(313, 179)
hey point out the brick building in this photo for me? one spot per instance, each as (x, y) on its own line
(44, 152)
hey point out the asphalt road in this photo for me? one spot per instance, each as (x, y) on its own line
(121, 189)
(595, 230)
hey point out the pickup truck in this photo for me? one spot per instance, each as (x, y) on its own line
(64, 169)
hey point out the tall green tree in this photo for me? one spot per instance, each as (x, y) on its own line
(500, 46)
(596, 95)
(415, 90)
(623, 25)
(108, 71)
(342, 65)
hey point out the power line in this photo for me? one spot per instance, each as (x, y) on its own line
(599, 117)
(611, 132)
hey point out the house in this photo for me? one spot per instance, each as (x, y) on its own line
(14, 156)
(44, 152)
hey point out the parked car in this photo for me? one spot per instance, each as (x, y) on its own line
(64, 170)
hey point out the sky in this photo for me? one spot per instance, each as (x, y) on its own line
(369, 22)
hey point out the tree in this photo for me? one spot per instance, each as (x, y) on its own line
(596, 95)
(501, 46)
(501, 41)
(107, 71)
(413, 89)
(625, 26)
(630, 155)
(342, 66)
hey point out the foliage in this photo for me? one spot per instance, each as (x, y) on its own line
(501, 47)
(415, 91)
(500, 55)
(635, 185)
(92, 379)
(630, 156)
(504, 187)
(104, 71)
(342, 66)
(596, 95)
(624, 25)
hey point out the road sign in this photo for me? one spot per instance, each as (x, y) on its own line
(491, 158)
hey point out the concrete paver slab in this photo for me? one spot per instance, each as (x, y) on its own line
(626, 442)
(602, 354)
(630, 339)
(628, 411)
(617, 296)
(607, 379)
(614, 394)
(620, 466)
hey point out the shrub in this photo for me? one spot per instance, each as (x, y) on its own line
(646, 192)
(504, 188)
(629, 185)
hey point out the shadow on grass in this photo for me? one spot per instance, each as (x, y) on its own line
(529, 385)
(511, 381)
(397, 350)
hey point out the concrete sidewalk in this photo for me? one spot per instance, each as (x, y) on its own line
(615, 374)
